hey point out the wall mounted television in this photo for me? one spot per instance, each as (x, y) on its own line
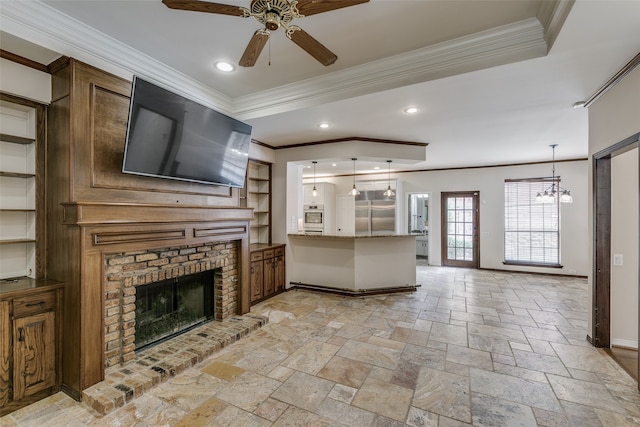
(169, 136)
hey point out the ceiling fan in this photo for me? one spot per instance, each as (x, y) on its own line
(273, 14)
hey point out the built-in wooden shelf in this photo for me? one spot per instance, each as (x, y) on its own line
(17, 174)
(5, 137)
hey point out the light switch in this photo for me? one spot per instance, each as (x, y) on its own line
(617, 260)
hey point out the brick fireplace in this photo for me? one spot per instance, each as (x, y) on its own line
(126, 271)
(110, 248)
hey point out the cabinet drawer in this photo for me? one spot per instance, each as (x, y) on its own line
(268, 254)
(32, 304)
(280, 251)
(256, 256)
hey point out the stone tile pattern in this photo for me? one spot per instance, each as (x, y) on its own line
(161, 362)
(125, 271)
(469, 347)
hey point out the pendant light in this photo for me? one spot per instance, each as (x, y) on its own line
(550, 194)
(354, 191)
(314, 192)
(389, 191)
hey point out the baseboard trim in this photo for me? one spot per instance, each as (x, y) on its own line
(352, 292)
(628, 344)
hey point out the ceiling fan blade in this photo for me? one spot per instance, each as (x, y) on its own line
(311, 45)
(311, 7)
(205, 6)
(255, 46)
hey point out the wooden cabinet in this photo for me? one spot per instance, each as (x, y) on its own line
(279, 270)
(256, 276)
(30, 337)
(267, 271)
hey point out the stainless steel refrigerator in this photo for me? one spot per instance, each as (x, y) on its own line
(375, 215)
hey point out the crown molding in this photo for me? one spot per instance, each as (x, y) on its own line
(509, 43)
(552, 15)
(41, 24)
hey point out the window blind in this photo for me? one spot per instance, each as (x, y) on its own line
(531, 229)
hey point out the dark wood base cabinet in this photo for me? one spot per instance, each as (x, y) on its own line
(267, 271)
(29, 342)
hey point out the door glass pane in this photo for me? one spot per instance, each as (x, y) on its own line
(460, 228)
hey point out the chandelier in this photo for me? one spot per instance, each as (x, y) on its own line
(554, 191)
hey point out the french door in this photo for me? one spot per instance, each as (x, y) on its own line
(460, 220)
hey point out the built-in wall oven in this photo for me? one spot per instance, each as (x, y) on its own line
(314, 218)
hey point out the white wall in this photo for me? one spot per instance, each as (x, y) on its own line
(490, 183)
(25, 82)
(624, 241)
(612, 118)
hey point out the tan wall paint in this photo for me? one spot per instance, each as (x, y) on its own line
(624, 241)
(612, 118)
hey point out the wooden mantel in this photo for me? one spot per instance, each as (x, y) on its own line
(94, 213)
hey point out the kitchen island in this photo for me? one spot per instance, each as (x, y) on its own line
(354, 264)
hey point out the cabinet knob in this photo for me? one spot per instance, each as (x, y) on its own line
(20, 334)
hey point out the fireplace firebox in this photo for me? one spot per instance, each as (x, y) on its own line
(170, 307)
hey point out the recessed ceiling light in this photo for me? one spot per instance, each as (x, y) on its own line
(224, 66)
(412, 110)
(376, 168)
(324, 125)
(334, 165)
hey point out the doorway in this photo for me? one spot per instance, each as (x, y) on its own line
(460, 221)
(602, 269)
(418, 223)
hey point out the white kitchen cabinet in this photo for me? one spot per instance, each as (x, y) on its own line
(422, 247)
(326, 196)
(345, 215)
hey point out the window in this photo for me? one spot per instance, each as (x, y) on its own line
(531, 229)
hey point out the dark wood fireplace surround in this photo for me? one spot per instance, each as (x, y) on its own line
(93, 210)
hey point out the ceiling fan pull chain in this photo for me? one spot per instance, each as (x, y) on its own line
(269, 51)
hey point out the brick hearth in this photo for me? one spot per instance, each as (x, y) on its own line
(125, 271)
(157, 364)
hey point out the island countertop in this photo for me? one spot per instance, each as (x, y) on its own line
(353, 262)
(352, 236)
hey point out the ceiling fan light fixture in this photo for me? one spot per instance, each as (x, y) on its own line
(272, 20)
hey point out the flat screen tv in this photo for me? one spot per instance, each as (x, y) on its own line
(169, 136)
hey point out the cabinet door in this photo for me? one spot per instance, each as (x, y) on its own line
(256, 280)
(5, 352)
(34, 354)
(269, 276)
(279, 276)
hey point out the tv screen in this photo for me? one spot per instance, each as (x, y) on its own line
(169, 136)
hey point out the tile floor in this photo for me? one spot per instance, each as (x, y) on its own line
(468, 348)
